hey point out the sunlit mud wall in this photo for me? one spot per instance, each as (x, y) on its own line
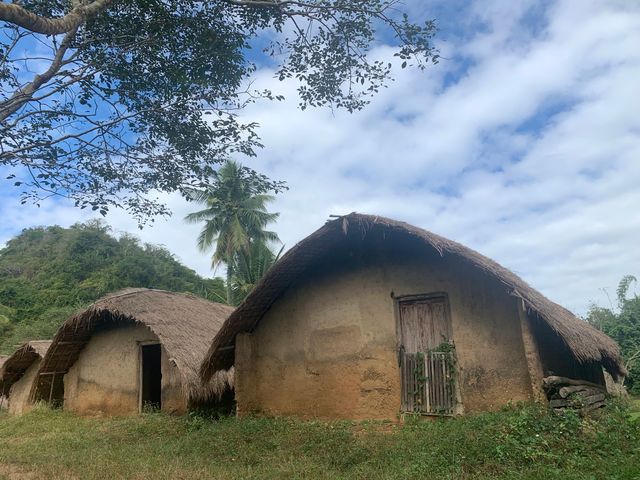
(106, 377)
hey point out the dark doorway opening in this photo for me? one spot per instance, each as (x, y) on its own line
(151, 377)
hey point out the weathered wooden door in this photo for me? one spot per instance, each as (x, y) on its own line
(426, 355)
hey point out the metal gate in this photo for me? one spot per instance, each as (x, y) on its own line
(428, 382)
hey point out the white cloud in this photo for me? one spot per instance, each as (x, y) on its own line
(530, 156)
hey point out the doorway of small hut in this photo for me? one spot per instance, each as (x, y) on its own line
(150, 377)
(426, 355)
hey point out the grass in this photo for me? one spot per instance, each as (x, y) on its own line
(635, 408)
(522, 442)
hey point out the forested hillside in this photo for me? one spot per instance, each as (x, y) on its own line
(47, 273)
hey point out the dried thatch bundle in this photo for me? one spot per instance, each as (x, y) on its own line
(585, 342)
(13, 367)
(184, 324)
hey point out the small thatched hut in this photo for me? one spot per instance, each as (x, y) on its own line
(18, 373)
(370, 318)
(134, 349)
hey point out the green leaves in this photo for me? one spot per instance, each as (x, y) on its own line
(147, 95)
(235, 217)
(624, 327)
(623, 288)
(248, 267)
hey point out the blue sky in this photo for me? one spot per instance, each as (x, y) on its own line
(523, 143)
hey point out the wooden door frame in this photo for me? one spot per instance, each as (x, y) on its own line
(397, 299)
(140, 344)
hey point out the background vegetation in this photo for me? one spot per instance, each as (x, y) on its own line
(235, 219)
(524, 443)
(623, 325)
(47, 273)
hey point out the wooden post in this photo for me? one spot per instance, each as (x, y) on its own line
(53, 380)
(531, 353)
(246, 390)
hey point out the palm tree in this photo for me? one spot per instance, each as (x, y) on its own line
(235, 217)
(249, 267)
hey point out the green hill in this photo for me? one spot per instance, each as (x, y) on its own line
(47, 273)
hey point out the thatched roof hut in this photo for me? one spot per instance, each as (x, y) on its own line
(585, 342)
(13, 367)
(18, 374)
(184, 325)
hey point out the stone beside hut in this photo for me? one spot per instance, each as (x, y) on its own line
(18, 373)
(371, 318)
(132, 350)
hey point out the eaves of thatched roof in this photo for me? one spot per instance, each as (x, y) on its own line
(585, 342)
(14, 366)
(184, 324)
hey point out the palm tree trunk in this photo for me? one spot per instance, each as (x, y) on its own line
(229, 290)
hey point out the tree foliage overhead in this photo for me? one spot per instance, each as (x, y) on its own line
(623, 325)
(47, 273)
(107, 101)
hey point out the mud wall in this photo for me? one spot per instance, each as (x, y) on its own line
(19, 393)
(105, 378)
(327, 346)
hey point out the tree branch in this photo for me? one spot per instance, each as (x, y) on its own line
(22, 96)
(281, 4)
(18, 15)
(632, 359)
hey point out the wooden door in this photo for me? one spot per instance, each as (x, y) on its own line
(426, 355)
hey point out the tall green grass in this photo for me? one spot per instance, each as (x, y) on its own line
(635, 408)
(521, 442)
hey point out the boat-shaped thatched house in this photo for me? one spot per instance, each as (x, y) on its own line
(134, 349)
(370, 317)
(18, 374)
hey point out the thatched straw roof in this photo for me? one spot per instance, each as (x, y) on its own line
(585, 342)
(184, 324)
(14, 366)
